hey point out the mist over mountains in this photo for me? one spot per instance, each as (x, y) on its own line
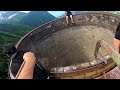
(32, 19)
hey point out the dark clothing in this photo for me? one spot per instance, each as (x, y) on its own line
(117, 33)
(17, 60)
(68, 13)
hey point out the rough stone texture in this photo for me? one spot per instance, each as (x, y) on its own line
(61, 45)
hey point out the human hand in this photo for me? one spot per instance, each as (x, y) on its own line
(29, 57)
(28, 69)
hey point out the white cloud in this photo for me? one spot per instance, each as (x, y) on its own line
(25, 11)
(12, 16)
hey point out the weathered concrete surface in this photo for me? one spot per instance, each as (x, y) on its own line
(56, 44)
(72, 45)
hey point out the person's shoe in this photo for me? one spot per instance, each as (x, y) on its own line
(72, 24)
(68, 24)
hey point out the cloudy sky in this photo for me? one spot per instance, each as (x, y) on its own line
(54, 13)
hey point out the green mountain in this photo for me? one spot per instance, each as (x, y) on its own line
(16, 29)
(11, 16)
(37, 18)
(32, 19)
(16, 18)
(14, 25)
(9, 34)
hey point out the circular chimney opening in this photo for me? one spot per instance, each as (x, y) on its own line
(72, 45)
(57, 45)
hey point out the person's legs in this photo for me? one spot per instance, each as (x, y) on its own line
(67, 19)
(71, 17)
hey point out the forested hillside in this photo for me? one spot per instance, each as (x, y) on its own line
(9, 34)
